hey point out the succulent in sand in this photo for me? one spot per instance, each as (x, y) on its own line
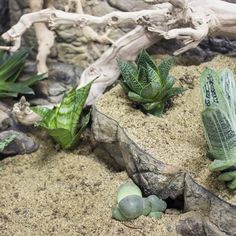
(66, 122)
(148, 84)
(131, 204)
(219, 120)
(11, 67)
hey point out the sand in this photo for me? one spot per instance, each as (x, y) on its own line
(178, 137)
(61, 193)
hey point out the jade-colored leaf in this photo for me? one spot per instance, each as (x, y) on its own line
(164, 67)
(144, 59)
(11, 67)
(130, 75)
(150, 90)
(137, 98)
(149, 85)
(65, 122)
(219, 165)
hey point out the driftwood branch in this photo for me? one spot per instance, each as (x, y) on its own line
(188, 20)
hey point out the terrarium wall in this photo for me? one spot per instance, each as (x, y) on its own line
(73, 47)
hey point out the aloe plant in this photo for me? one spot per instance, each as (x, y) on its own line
(11, 67)
(219, 120)
(148, 84)
(61, 122)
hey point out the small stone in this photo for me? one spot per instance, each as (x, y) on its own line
(5, 120)
(21, 144)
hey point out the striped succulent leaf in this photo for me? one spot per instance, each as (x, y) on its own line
(218, 95)
(65, 122)
(147, 84)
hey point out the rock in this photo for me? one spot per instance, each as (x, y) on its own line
(21, 144)
(4, 16)
(194, 224)
(5, 120)
(129, 5)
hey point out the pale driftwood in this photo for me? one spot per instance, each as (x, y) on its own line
(23, 114)
(188, 20)
(44, 43)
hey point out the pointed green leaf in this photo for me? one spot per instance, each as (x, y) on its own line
(164, 67)
(130, 75)
(220, 165)
(137, 98)
(144, 59)
(150, 90)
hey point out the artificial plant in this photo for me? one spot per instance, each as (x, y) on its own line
(66, 122)
(219, 120)
(130, 204)
(11, 67)
(148, 84)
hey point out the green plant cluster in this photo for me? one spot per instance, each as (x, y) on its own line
(219, 120)
(66, 122)
(148, 84)
(11, 67)
(130, 204)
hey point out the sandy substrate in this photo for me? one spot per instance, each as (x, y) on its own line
(65, 193)
(178, 137)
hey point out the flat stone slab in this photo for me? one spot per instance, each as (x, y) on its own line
(167, 156)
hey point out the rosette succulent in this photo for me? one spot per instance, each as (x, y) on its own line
(66, 122)
(219, 120)
(11, 67)
(147, 84)
(131, 204)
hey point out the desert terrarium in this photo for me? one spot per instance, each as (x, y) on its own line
(71, 192)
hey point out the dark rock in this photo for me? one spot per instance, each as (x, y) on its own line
(5, 120)
(4, 16)
(191, 226)
(194, 224)
(21, 144)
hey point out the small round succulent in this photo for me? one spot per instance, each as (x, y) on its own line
(131, 204)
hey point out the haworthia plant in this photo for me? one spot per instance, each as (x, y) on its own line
(219, 119)
(148, 84)
(11, 67)
(66, 122)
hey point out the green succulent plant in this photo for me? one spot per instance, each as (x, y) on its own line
(148, 84)
(66, 122)
(219, 120)
(131, 204)
(11, 67)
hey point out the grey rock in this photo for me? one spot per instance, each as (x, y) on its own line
(5, 120)
(163, 180)
(55, 89)
(129, 5)
(194, 224)
(4, 16)
(22, 144)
